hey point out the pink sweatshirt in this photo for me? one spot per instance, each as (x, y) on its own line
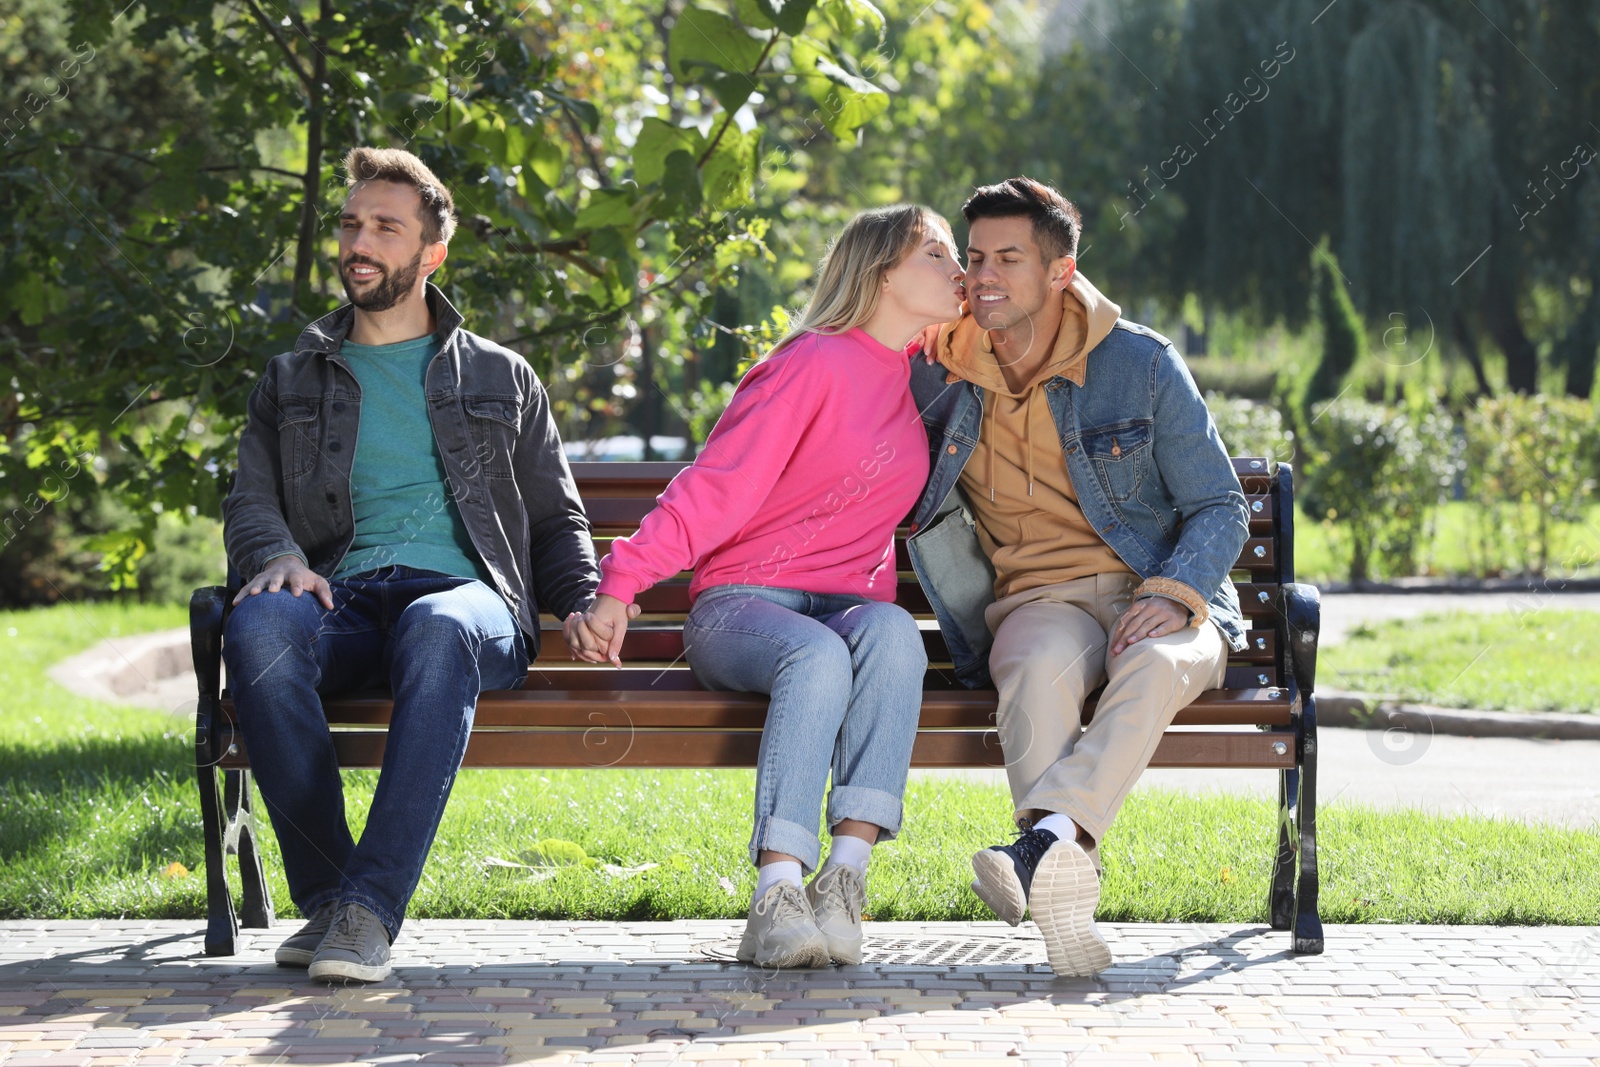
(801, 484)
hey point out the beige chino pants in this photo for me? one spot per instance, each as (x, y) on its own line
(1050, 651)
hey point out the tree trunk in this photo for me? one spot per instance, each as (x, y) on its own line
(311, 204)
(649, 393)
(1577, 349)
(1505, 325)
(1469, 347)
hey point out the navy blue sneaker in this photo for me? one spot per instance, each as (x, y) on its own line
(1005, 873)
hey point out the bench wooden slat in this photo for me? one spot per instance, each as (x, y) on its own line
(1258, 552)
(626, 709)
(646, 645)
(671, 597)
(738, 748)
(647, 479)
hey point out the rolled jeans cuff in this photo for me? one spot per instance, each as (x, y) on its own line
(773, 834)
(883, 810)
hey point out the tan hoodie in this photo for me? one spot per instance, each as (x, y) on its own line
(1028, 518)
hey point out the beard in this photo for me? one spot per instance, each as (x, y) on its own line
(390, 289)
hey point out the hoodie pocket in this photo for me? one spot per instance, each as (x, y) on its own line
(1120, 455)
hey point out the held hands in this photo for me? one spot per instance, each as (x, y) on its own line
(1151, 617)
(595, 636)
(287, 572)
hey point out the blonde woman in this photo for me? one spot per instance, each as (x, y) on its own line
(788, 519)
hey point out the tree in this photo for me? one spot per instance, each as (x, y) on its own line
(1444, 149)
(171, 169)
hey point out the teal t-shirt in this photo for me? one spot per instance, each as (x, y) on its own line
(403, 510)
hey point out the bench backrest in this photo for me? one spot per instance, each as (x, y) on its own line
(618, 495)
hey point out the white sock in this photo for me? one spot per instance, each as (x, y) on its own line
(850, 851)
(770, 874)
(1060, 825)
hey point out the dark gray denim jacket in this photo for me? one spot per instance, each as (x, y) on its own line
(1150, 472)
(502, 457)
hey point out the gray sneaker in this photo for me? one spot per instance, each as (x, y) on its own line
(301, 945)
(782, 932)
(836, 897)
(356, 948)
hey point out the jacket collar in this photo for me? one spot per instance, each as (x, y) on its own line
(327, 333)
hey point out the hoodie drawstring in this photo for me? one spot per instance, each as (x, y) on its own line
(994, 402)
(1027, 433)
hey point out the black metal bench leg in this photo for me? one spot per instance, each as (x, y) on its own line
(222, 926)
(1307, 921)
(242, 838)
(1280, 901)
(207, 608)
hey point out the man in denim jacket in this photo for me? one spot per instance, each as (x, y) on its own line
(1077, 530)
(404, 508)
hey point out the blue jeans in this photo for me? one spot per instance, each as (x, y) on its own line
(844, 674)
(435, 641)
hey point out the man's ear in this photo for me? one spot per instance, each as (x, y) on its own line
(435, 257)
(1061, 272)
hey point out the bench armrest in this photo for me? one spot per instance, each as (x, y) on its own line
(208, 607)
(1302, 614)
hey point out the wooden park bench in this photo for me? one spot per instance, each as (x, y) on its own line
(652, 713)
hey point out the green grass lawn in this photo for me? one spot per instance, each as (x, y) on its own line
(1539, 661)
(97, 803)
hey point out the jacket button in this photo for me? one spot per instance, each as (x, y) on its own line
(331, 498)
(334, 447)
(338, 405)
(951, 450)
(913, 527)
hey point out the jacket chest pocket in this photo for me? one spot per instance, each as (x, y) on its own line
(1120, 455)
(494, 422)
(297, 436)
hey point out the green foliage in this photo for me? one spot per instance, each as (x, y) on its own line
(1249, 428)
(179, 180)
(1420, 138)
(1379, 473)
(1344, 340)
(1531, 462)
(1456, 548)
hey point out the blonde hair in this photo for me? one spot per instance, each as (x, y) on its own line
(438, 212)
(850, 280)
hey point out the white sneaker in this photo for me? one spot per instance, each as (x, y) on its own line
(1063, 896)
(782, 931)
(836, 896)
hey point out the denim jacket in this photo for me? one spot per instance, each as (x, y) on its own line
(502, 457)
(1162, 494)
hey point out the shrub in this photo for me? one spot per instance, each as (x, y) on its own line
(1344, 339)
(1378, 473)
(1249, 428)
(1530, 462)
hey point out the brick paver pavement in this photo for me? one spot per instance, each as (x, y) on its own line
(86, 993)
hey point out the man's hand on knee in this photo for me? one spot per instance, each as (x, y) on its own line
(288, 572)
(1151, 617)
